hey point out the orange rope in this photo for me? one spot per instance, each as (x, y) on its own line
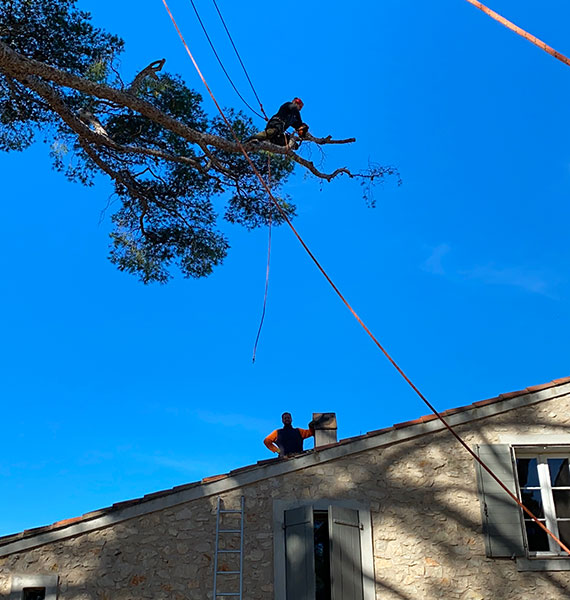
(371, 335)
(521, 32)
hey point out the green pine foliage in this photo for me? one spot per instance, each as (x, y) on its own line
(166, 219)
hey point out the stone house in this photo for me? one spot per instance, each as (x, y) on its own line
(400, 513)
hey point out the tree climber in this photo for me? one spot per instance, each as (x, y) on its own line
(288, 115)
(288, 440)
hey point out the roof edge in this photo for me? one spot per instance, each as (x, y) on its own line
(275, 467)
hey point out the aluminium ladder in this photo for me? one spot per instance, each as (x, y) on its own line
(226, 531)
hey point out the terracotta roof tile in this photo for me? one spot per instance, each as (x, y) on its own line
(379, 431)
(509, 395)
(427, 418)
(491, 400)
(453, 411)
(95, 513)
(157, 494)
(538, 388)
(267, 461)
(214, 478)
(407, 423)
(126, 503)
(185, 486)
(67, 522)
(241, 470)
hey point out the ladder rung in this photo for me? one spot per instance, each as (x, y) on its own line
(228, 551)
(227, 572)
(231, 511)
(227, 594)
(230, 530)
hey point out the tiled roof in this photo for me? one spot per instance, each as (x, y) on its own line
(273, 461)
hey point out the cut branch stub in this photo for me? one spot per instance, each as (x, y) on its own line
(149, 71)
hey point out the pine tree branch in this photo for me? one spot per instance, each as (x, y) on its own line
(19, 67)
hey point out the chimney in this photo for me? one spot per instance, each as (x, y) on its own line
(325, 428)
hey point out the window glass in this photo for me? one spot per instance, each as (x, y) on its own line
(559, 472)
(564, 532)
(532, 499)
(537, 537)
(527, 472)
(322, 556)
(544, 487)
(562, 503)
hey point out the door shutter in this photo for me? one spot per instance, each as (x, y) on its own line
(346, 565)
(300, 554)
(502, 525)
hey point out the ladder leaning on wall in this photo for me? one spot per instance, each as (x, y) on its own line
(226, 539)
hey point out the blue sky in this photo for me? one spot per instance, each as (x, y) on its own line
(112, 389)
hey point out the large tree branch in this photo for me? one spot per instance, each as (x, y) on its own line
(327, 140)
(54, 100)
(14, 64)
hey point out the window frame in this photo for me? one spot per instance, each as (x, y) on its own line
(366, 548)
(542, 454)
(25, 581)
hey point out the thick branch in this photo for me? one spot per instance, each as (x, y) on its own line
(327, 140)
(57, 104)
(15, 65)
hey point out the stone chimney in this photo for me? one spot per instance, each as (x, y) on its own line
(325, 428)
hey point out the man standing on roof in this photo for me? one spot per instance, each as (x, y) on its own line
(288, 440)
(288, 115)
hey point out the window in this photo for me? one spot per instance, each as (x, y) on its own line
(34, 587)
(544, 485)
(540, 476)
(323, 551)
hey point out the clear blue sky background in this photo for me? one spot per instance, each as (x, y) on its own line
(111, 389)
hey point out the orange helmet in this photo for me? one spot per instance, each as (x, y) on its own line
(299, 102)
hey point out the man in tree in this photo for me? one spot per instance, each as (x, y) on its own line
(288, 440)
(288, 115)
(176, 172)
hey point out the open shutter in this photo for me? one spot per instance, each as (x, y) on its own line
(300, 553)
(346, 565)
(501, 516)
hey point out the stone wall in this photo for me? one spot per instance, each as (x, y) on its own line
(426, 529)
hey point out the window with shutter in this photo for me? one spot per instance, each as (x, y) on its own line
(540, 477)
(327, 552)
